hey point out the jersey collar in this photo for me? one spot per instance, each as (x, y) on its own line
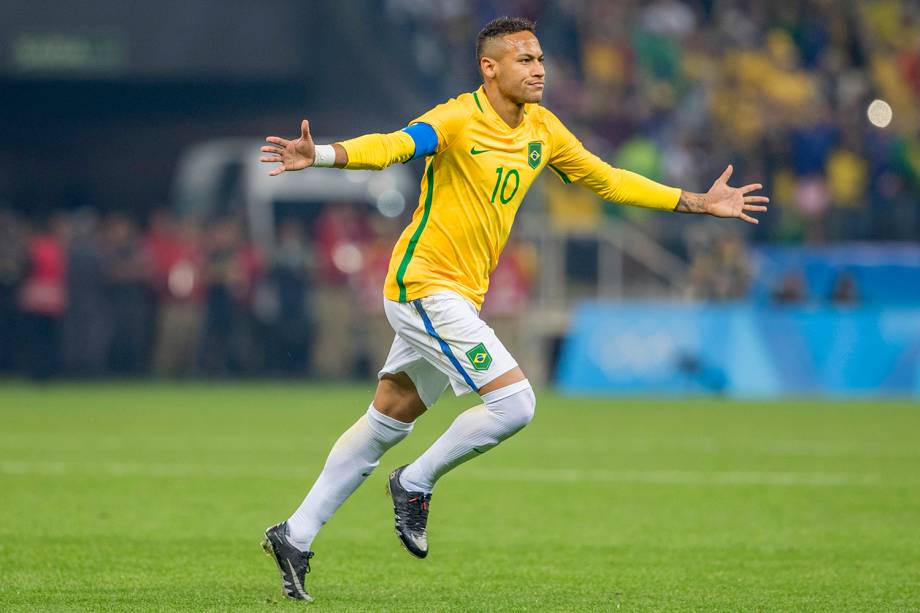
(482, 101)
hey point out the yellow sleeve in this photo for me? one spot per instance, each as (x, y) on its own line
(377, 151)
(625, 187)
(447, 119)
(573, 163)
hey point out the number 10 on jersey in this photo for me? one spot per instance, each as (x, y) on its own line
(502, 179)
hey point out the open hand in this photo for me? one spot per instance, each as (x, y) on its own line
(290, 154)
(724, 201)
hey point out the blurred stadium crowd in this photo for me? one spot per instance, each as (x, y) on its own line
(89, 296)
(675, 89)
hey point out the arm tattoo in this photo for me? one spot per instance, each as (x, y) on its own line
(690, 203)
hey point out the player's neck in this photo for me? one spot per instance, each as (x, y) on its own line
(511, 112)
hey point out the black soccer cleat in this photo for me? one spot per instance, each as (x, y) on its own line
(411, 511)
(293, 563)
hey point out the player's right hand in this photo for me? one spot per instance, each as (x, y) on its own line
(290, 154)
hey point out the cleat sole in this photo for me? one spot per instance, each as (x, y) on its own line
(267, 548)
(404, 546)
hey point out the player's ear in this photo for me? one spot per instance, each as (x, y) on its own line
(487, 66)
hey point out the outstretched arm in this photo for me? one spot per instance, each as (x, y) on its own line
(368, 152)
(724, 201)
(573, 163)
(299, 153)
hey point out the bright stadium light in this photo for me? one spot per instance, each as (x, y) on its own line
(181, 280)
(879, 113)
(347, 258)
(391, 203)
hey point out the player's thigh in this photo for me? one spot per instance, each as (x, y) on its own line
(511, 377)
(407, 382)
(447, 331)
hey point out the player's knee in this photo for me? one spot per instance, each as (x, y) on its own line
(528, 407)
(397, 397)
(515, 405)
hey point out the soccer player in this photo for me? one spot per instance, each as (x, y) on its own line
(482, 151)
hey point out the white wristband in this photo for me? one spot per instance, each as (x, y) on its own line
(324, 156)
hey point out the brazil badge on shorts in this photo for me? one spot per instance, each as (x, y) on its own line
(479, 357)
(534, 153)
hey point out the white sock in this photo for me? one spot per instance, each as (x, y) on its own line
(352, 459)
(475, 431)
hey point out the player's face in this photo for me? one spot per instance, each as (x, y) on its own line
(519, 71)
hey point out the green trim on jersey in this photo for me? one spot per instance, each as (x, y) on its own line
(476, 98)
(410, 249)
(565, 178)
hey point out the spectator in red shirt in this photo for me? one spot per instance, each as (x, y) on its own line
(43, 297)
(341, 233)
(175, 251)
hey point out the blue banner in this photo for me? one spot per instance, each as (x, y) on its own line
(741, 350)
(886, 274)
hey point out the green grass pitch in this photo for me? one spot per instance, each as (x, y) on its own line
(154, 497)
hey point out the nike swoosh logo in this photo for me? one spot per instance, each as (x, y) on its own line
(474, 151)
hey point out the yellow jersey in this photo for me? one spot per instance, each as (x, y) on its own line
(472, 188)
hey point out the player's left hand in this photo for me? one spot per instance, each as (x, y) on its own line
(723, 200)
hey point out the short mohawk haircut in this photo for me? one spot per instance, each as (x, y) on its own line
(500, 27)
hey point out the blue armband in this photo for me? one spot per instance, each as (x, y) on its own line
(426, 139)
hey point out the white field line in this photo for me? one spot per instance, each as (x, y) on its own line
(532, 475)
